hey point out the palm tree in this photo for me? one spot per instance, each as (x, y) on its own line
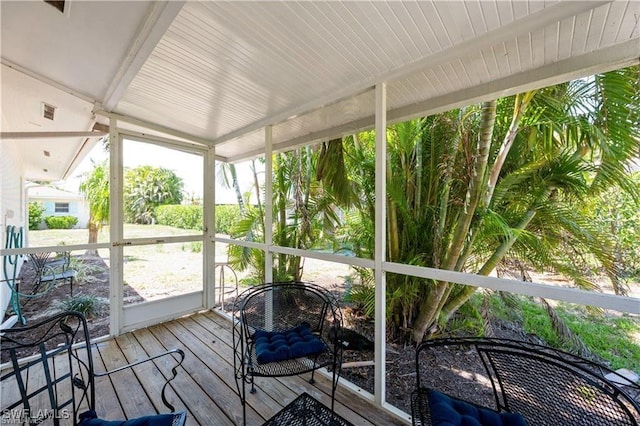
(95, 187)
(303, 214)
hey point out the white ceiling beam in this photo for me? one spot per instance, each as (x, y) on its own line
(154, 126)
(599, 61)
(49, 135)
(179, 145)
(536, 20)
(158, 20)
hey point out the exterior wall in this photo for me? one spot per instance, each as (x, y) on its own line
(13, 213)
(79, 209)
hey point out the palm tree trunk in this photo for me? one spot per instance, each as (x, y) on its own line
(521, 104)
(443, 207)
(392, 224)
(256, 185)
(236, 187)
(455, 303)
(473, 193)
(94, 229)
(281, 190)
(430, 306)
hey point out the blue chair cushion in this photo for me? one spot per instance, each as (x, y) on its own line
(89, 418)
(274, 346)
(447, 411)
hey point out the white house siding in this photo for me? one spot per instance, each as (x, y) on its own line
(48, 197)
(13, 211)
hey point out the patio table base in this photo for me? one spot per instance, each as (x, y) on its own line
(306, 411)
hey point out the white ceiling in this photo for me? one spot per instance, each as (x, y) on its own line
(218, 72)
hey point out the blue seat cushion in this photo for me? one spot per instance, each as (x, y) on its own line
(274, 346)
(89, 418)
(448, 411)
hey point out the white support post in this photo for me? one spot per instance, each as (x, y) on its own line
(268, 217)
(268, 203)
(209, 211)
(380, 242)
(116, 273)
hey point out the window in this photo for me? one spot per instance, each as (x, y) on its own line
(62, 208)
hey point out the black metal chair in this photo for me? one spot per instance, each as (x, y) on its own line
(542, 385)
(284, 329)
(56, 385)
(49, 272)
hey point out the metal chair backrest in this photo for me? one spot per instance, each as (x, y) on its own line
(544, 384)
(282, 308)
(55, 382)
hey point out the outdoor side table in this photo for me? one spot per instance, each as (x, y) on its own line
(306, 411)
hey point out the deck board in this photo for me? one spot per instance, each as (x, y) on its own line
(186, 385)
(107, 401)
(205, 386)
(125, 383)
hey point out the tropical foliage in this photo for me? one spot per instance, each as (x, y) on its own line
(36, 215)
(617, 212)
(509, 181)
(504, 180)
(304, 214)
(146, 188)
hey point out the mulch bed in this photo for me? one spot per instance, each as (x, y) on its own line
(49, 301)
(462, 374)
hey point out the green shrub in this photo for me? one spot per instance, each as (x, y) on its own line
(86, 304)
(226, 217)
(61, 222)
(36, 211)
(85, 272)
(179, 216)
(190, 217)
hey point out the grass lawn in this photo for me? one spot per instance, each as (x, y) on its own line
(154, 270)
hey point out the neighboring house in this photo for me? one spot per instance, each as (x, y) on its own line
(58, 202)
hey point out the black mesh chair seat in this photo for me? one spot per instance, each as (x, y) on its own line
(56, 385)
(295, 312)
(306, 411)
(546, 386)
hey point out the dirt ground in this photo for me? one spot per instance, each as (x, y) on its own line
(49, 301)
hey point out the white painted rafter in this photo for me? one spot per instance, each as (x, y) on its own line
(158, 20)
(49, 135)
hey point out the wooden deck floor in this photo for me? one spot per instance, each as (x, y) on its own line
(205, 385)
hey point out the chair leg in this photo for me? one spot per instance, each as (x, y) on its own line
(243, 401)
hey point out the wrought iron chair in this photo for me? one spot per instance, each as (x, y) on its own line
(283, 329)
(527, 384)
(57, 384)
(50, 272)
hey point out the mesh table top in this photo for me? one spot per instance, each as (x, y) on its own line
(306, 411)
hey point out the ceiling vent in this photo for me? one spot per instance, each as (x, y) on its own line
(48, 111)
(57, 4)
